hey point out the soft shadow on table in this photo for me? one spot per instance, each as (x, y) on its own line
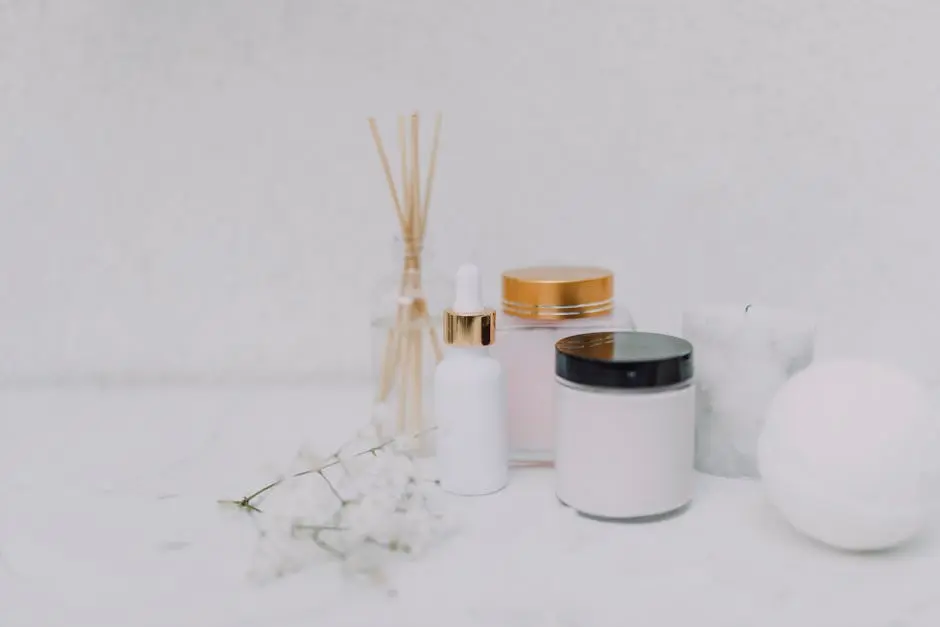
(775, 526)
(638, 520)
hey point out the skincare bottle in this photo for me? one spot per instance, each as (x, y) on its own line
(469, 400)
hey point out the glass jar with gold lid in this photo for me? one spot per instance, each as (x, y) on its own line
(540, 306)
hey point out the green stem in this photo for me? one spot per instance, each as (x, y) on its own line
(247, 501)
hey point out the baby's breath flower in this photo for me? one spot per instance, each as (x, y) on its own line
(365, 506)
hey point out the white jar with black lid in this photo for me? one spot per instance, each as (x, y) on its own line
(625, 424)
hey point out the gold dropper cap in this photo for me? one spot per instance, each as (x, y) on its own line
(468, 323)
(558, 292)
(469, 329)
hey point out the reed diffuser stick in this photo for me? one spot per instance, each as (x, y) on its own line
(403, 363)
(430, 184)
(401, 418)
(388, 172)
(415, 174)
(405, 181)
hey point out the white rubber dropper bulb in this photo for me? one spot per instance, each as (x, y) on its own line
(467, 299)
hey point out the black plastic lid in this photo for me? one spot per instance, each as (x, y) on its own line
(624, 359)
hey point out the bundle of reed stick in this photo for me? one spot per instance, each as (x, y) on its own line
(401, 372)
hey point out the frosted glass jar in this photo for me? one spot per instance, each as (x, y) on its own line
(542, 305)
(625, 408)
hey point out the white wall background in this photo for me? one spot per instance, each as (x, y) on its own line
(188, 189)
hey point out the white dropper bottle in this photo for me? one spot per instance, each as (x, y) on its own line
(469, 400)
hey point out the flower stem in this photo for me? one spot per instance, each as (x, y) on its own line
(247, 502)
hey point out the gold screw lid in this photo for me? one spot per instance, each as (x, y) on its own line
(558, 292)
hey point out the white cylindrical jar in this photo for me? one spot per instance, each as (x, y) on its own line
(625, 410)
(542, 305)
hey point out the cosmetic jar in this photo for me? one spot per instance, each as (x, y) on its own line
(625, 440)
(542, 305)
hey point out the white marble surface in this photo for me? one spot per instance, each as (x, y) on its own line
(109, 517)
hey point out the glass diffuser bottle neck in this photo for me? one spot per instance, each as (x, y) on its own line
(411, 255)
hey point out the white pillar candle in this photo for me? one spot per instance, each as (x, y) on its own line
(743, 355)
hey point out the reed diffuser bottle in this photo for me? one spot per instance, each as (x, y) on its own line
(406, 318)
(406, 310)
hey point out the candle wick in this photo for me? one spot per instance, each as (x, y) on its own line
(746, 308)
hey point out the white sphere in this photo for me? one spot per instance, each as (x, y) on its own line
(843, 454)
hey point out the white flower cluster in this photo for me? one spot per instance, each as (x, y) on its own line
(370, 503)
